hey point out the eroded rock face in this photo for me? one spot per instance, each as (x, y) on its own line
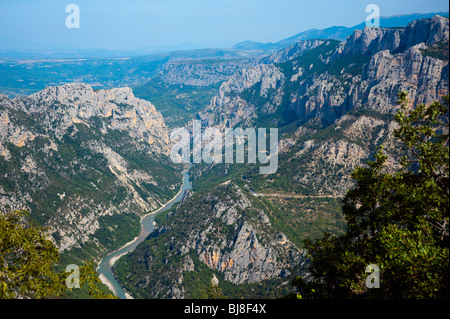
(391, 60)
(63, 106)
(225, 229)
(248, 261)
(372, 40)
(292, 51)
(319, 84)
(77, 158)
(227, 109)
(200, 73)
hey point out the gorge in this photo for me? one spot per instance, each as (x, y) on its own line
(94, 165)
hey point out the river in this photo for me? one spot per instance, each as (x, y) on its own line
(105, 266)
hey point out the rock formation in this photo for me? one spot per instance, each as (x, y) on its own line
(82, 161)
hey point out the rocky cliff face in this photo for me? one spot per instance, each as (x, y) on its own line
(326, 77)
(372, 40)
(319, 81)
(61, 107)
(333, 104)
(84, 162)
(423, 77)
(229, 108)
(397, 63)
(225, 229)
(200, 73)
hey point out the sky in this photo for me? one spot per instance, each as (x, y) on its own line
(173, 24)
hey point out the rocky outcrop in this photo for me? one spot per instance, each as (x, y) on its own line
(292, 51)
(228, 108)
(200, 73)
(423, 77)
(61, 107)
(377, 87)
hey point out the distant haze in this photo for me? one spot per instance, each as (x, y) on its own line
(180, 24)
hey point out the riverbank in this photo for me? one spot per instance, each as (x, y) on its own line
(112, 257)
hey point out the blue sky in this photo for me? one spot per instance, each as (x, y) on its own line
(135, 24)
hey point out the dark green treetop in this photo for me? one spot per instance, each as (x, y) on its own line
(396, 221)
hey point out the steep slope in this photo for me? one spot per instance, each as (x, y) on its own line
(330, 78)
(85, 163)
(224, 233)
(333, 106)
(183, 88)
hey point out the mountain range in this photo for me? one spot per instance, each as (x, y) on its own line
(90, 160)
(339, 33)
(333, 103)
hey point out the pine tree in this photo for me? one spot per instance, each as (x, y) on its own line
(396, 221)
(28, 259)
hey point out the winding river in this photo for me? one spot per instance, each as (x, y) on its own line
(105, 266)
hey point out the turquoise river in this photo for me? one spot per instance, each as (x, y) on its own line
(105, 266)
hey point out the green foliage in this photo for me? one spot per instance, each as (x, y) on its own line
(213, 292)
(153, 269)
(305, 218)
(398, 221)
(28, 259)
(198, 285)
(438, 50)
(177, 103)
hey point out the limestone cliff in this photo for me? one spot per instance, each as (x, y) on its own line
(318, 77)
(320, 92)
(85, 163)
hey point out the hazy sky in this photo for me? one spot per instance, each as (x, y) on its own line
(133, 24)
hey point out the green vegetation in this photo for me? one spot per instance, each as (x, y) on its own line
(28, 259)
(438, 50)
(30, 76)
(306, 218)
(397, 221)
(177, 103)
(153, 269)
(84, 180)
